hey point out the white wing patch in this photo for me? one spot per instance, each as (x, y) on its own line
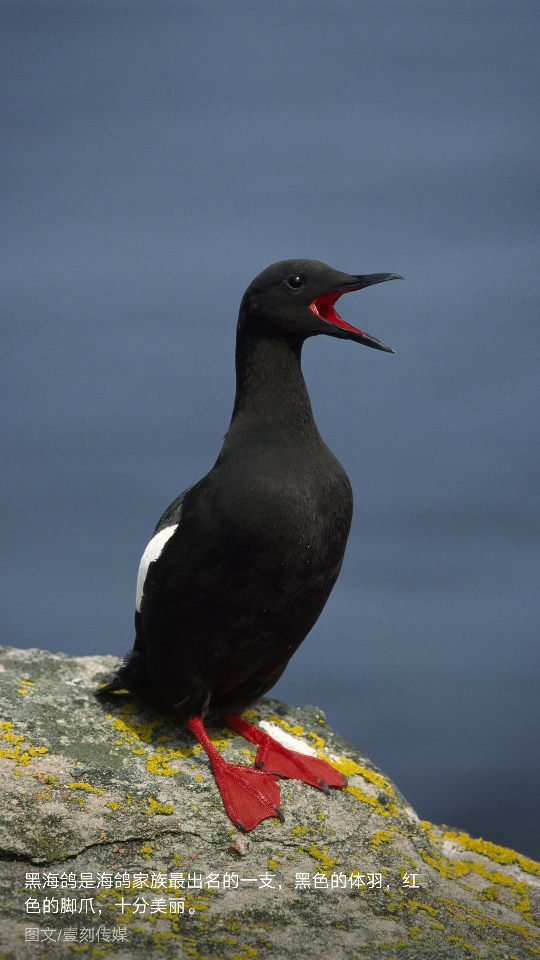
(152, 552)
(293, 743)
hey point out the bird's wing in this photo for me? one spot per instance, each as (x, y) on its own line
(164, 530)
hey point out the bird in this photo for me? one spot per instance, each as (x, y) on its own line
(242, 563)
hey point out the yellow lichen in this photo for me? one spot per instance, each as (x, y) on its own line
(132, 731)
(489, 893)
(322, 857)
(164, 809)
(84, 786)
(383, 836)
(160, 939)
(319, 742)
(246, 953)
(365, 798)
(453, 869)
(350, 768)
(298, 731)
(492, 851)
(159, 762)
(21, 757)
(461, 941)
(417, 905)
(46, 778)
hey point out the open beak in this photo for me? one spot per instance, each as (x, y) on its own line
(323, 307)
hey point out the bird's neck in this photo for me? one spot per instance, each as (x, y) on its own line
(270, 387)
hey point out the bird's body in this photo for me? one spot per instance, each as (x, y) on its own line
(241, 565)
(257, 548)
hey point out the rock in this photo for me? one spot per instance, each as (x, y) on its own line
(114, 840)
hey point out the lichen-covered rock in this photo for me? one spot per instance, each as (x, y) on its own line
(114, 841)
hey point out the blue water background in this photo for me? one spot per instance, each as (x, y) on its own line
(156, 157)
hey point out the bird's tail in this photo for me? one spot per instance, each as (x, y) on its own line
(115, 684)
(131, 675)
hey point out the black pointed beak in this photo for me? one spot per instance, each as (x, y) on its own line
(323, 306)
(367, 280)
(360, 337)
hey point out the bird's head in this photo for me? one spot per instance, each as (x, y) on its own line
(296, 298)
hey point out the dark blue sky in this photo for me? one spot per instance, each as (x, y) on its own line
(156, 157)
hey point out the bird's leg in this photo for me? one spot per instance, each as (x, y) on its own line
(249, 796)
(273, 757)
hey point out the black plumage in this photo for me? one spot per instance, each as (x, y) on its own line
(258, 543)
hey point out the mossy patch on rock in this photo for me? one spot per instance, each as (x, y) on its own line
(115, 842)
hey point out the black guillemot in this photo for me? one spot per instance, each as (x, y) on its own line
(242, 563)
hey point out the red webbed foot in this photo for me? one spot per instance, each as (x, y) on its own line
(273, 757)
(248, 795)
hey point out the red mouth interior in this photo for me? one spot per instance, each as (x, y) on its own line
(323, 307)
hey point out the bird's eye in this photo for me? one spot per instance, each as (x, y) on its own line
(296, 282)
